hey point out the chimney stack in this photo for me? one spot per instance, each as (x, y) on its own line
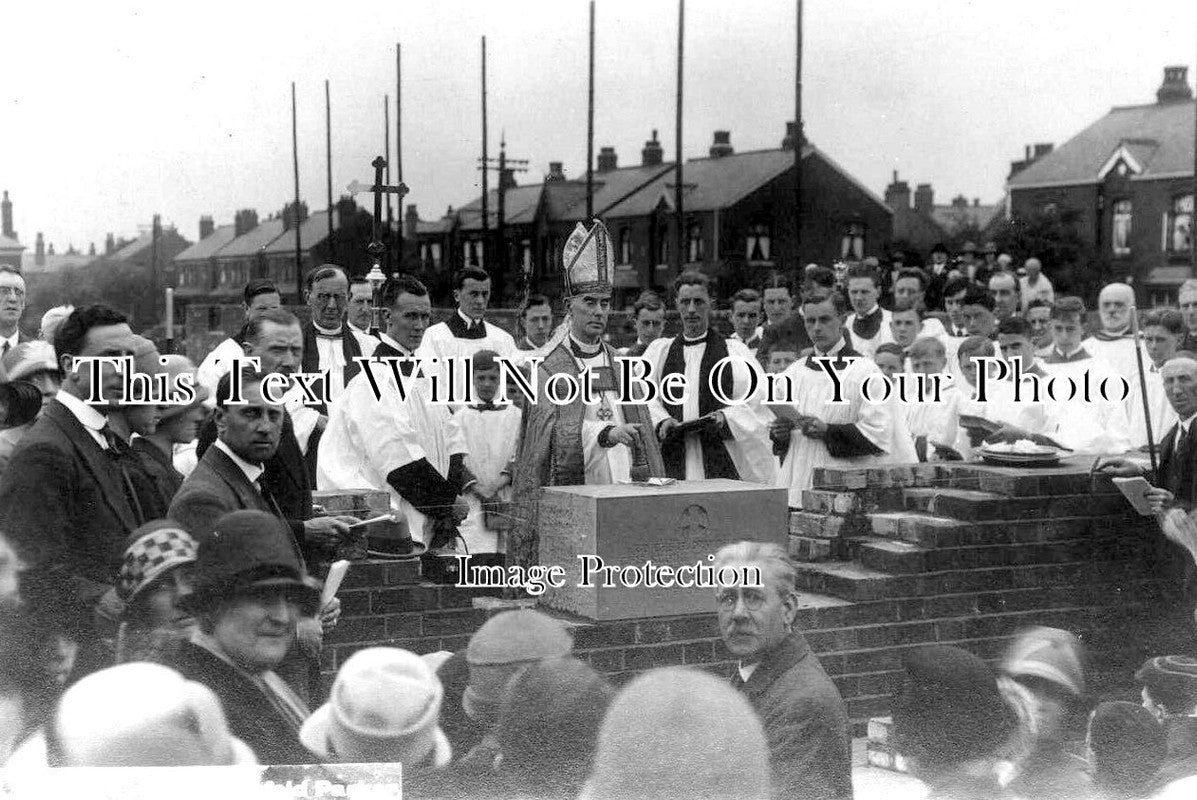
(1175, 87)
(207, 226)
(897, 194)
(91, 250)
(924, 199)
(346, 211)
(1041, 150)
(653, 155)
(294, 215)
(411, 222)
(39, 250)
(50, 249)
(556, 172)
(6, 217)
(606, 159)
(244, 221)
(109, 244)
(791, 131)
(722, 145)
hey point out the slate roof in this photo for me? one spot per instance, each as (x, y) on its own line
(313, 230)
(208, 246)
(953, 218)
(250, 243)
(1159, 136)
(55, 262)
(520, 208)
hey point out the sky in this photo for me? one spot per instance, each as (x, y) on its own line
(111, 112)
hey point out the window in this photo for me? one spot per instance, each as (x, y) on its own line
(695, 251)
(431, 255)
(473, 253)
(1049, 209)
(663, 248)
(1121, 228)
(625, 245)
(758, 243)
(852, 245)
(526, 256)
(1178, 231)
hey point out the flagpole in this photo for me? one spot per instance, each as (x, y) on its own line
(295, 210)
(590, 128)
(677, 189)
(328, 165)
(1143, 388)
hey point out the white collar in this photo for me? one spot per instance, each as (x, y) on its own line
(13, 340)
(746, 670)
(699, 338)
(469, 321)
(326, 331)
(838, 347)
(252, 471)
(88, 416)
(356, 329)
(586, 348)
(869, 313)
(1070, 353)
(1185, 423)
(388, 340)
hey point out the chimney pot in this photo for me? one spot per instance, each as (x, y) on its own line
(1042, 149)
(1175, 87)
(411, 221)
(722, 145)
(791, 133)
(206, 227)
(607, 159)
(653, 155)
(39, 250)
(556, 172)
(6, 217)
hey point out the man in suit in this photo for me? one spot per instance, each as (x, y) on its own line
(260, 296)
(64, 501)
(12, 306)
(805, 722)
(648, 315)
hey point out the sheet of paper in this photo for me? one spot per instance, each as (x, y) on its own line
(336, 574)
(1133, 489)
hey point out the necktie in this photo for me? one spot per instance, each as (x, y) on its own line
(118, 450)
(1181, 439)
(268, 497)
(7, 347)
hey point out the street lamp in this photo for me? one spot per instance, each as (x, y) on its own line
(376, 279)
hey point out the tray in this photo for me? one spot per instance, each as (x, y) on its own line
(1046, 459)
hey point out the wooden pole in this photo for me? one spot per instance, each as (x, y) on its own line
(679, 214)
(485, 170)
(590, 128)
(799, 141)
(295, 211)
(328, 167)
(386, 148)
(399, 153)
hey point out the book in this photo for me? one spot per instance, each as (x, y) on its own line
(1134, 490)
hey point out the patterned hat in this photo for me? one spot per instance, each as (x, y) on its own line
(589, 260)
(153, 549)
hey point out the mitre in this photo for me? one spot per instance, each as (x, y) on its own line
(589, 260)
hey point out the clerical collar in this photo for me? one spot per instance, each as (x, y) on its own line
(387, 340)
(468, 320)
(838, 347)
(876, 308)
(583, 350)
(326, 332)
(688, 342)
(1070, 354)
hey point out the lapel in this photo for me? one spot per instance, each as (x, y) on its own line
(95, 461)
(776, 663)
(223, 467)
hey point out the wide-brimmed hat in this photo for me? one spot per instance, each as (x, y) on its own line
(142, 715)
(384, 706)
(174, 366)
(250, 551)
(150, 552)
(29, 358)
(503, 645)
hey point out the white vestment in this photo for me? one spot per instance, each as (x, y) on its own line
(1095, 426)
(939, 422)
(1119, 354)
(440, 343)
(492, 438)
(750, 449)
(882, 424)
(332, 358)
(367, 438)
(867, 347)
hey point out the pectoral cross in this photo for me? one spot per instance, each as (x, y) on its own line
(376, 247)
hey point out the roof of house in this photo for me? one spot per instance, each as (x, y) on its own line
(1158, 137)
(209, 245)
(434, 226)
(10, 245)
(711, 183)
(144, 240)
(248, 244)
(55, 262)
(313, 230)
(953, 218)
(520, 205)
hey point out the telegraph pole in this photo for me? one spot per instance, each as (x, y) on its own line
(677, 189)
(328, 163)
(799, 141)
(399, 152)
(590, 128)
(386, 148)
(506, 167)
(485, 161)
(295, 211)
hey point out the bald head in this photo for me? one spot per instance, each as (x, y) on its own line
(1114, 305)
(1033, 267)
(1180, 383)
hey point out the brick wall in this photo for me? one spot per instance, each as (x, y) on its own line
(890, 559)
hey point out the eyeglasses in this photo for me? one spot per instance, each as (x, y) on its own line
(339, 299)
(6, 291)
(753, 599)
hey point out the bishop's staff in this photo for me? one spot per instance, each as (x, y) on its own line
(1143, 388)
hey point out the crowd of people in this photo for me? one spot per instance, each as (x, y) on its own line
(164, 548)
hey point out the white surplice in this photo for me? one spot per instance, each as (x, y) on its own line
(332, 357)
(440, 343)
(750, 449)
(883, 424)
(1163, 417)
(367, 438)
(492, 438)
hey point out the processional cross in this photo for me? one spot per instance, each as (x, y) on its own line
(376, 248)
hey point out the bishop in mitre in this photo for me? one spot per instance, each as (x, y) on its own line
(577, 443)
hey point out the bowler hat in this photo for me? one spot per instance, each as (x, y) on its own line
(250, 551)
